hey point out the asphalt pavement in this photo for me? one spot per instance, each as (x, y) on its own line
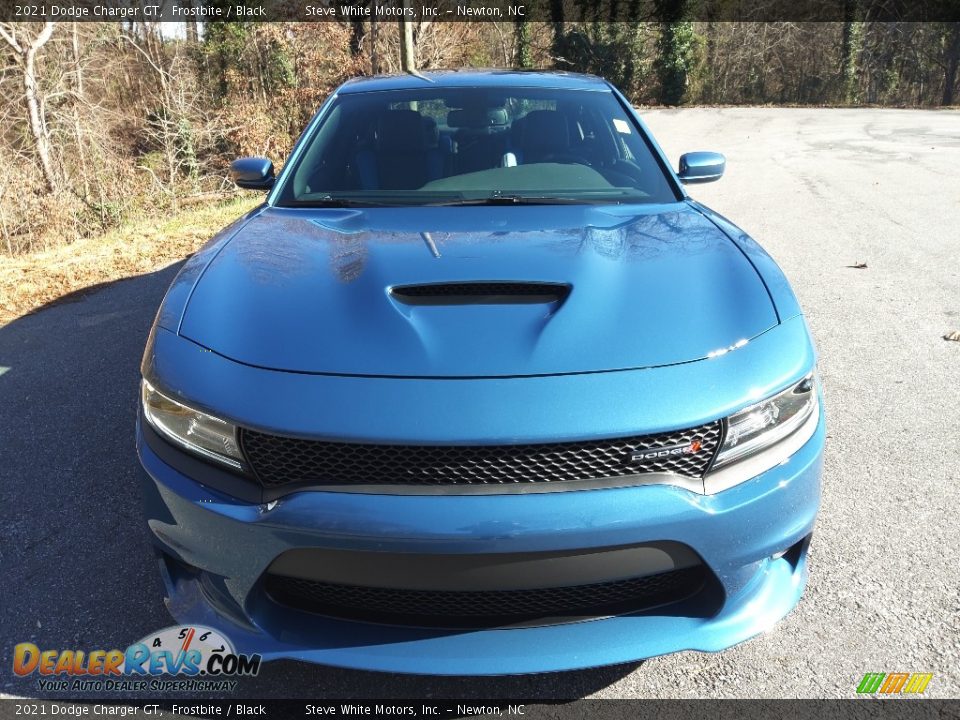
(824, 191)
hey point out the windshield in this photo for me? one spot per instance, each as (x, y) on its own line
(453, 146)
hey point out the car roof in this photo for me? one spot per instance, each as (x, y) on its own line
(475, 78)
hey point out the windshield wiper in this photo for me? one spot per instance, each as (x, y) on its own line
(335, 202)
(498, 198)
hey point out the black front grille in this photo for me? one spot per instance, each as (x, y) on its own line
(278, 460)
(448, 608)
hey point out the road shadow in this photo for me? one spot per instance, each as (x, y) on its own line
(77, 568)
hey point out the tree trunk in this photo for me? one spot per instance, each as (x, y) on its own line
(953, 60)
(845, 55)
(407, 56)
(37, 124)
(557, 21)
(521, 33)
(192, 26)
(851, 45)
(78, 93)
(374, 56)
(711, 79)
(356, 37)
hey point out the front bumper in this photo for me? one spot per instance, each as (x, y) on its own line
(215, 550)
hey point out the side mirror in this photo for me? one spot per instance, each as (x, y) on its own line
(252, 173)
(701, 167)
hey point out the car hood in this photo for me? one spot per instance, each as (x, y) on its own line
(597, 288)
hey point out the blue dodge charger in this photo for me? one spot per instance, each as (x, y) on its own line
(479, 389)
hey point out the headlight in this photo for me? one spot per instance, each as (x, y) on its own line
(191, 429)
(768, 422)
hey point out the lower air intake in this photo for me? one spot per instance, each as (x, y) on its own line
(433, 608)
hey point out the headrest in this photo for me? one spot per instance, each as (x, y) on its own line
(477, 117)
(401, 130)
(431, 133)
(544, 129)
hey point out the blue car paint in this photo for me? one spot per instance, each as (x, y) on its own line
(234, 542)
(544, 389)
(485, 411)
(651, 286)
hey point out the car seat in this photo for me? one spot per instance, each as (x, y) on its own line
(405, 155)
(541, 135)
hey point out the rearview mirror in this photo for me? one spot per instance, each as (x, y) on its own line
(701, 167)
(252, 173)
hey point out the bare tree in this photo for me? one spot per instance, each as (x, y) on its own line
(178, 119)
(441, 44)
(25, 50)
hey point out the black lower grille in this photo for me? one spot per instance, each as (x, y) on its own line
(278, 460)
(436, 608)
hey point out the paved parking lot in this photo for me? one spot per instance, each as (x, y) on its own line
(823, 190)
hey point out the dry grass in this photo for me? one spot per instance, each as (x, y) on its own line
(30, 281)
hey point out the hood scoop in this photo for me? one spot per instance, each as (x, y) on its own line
(481, 293)
(516, 292)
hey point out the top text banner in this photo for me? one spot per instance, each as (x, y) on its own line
(516, 11)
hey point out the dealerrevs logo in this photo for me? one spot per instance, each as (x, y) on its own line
(191, 651)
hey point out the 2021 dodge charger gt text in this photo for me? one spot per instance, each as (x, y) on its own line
(479, 389)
